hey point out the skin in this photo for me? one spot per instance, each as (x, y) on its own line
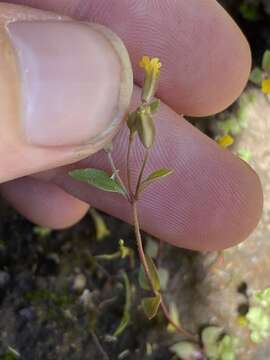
(213, 200)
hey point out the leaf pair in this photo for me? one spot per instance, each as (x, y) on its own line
(103, 181)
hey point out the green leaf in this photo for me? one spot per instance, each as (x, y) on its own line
(154, 106)
(150, 306)
(266, 61)
(146, 129)
(227, 348)
(42, 232)
(210, 337)
(132, 121)
(156, 175)
(263, 297)
(102, 230)
(143, 280)
(126, 313)
(97, 178)
(256, 76)
(164, 276)
(250, 11)
(186, 350)
(244, 154)
(174, 314)
(151, 247)
(258, 323)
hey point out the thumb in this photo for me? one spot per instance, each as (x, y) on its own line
(65, 86)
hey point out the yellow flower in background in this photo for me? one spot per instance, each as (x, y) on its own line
(225, 141)
(266, 86)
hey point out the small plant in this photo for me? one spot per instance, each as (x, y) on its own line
(141, 125)
(261, 76)
(42, 232)
(215, 345)
(257, 318)
(258, 323)
(101, 228)
(250, 10)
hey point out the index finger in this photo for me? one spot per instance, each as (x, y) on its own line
(206, 57)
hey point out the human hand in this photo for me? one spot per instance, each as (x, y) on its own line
(213, 200)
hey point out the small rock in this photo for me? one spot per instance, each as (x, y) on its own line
(79, 283)
(27, 313)
(4, 279)
(86, 299)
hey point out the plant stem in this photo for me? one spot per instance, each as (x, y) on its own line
(118, 177)
(148, 275)
(145, 159)
(99, 346)
(130, 141)
(139, 243)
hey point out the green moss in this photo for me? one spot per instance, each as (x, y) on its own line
(46, 295)
(8, 356)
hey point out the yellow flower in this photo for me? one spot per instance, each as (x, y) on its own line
(225, 141)
(152, 71)
(266, 86)
(150, 65)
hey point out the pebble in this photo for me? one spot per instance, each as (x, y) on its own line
(79, 283)
(27, 313)
(4, 279)
(86, 299)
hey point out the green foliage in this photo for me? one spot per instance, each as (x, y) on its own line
(258, 324)
(102, 230)
(244, 154)
(154, 106)
(164, 275)
(256, 76)
(59, 299)
(126, 313)
(233, 124)
(217, 345)
(150, 306)
(122, 253)
(261, 76)
(97, 178)
(227, 348)
(250, 11)
(174, 316)
(156, 175)
(143, 280)
(152, 247)
(8, 356)
(42, 232)
(210, 337)
(263, 298)
(186, 350)
(266, 62)
(146, 128)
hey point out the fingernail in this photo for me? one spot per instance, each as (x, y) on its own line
(71, 81)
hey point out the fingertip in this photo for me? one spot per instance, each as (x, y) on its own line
(44, 204)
